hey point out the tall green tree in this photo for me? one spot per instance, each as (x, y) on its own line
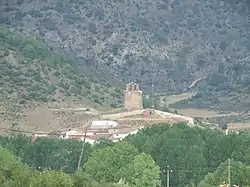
(142, 172)
(17, 144)
(179, 146)
(51, 179)
(82, 179)
(104, 164)
(12, 172)
(240, 174)
(56, 154)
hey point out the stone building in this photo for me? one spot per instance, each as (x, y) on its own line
(133, 97)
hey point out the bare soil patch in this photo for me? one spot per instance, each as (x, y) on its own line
(42, 117)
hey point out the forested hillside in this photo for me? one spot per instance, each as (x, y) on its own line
(169, 43)
(30, 72)
(197, 157)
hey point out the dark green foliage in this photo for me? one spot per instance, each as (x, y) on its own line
(196, 156)
(47, 153)
(190, 152)
(240, 173)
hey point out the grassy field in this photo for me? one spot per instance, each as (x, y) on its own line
(176, 98)
(236, 120)
(203, 113)
(193, 112)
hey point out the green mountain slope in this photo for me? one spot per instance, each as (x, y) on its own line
(31, 73)
(164, 42)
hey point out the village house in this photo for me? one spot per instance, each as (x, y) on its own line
(115, 134)
(122, 133)
(92, 132)
(38, 135)
(53, 134)
(112, 124)
(112, 131)
(107, 130)
(103, 124)
(70, 134)
(94, 139)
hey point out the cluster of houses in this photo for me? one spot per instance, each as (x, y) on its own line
(133, 112)
(111, 130)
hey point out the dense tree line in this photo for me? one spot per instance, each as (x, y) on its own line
(13, 173)
(197, 157)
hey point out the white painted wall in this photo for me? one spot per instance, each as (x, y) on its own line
(71, 132)
(123, 135)
(40, 135)
(90, 133)
(120, 136)
(103, 124)
(89, 140)
(172, 115)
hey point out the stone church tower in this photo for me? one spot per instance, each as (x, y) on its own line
(133, 97)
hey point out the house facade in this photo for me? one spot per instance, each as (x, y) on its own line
(101, 124)
(123, 134)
